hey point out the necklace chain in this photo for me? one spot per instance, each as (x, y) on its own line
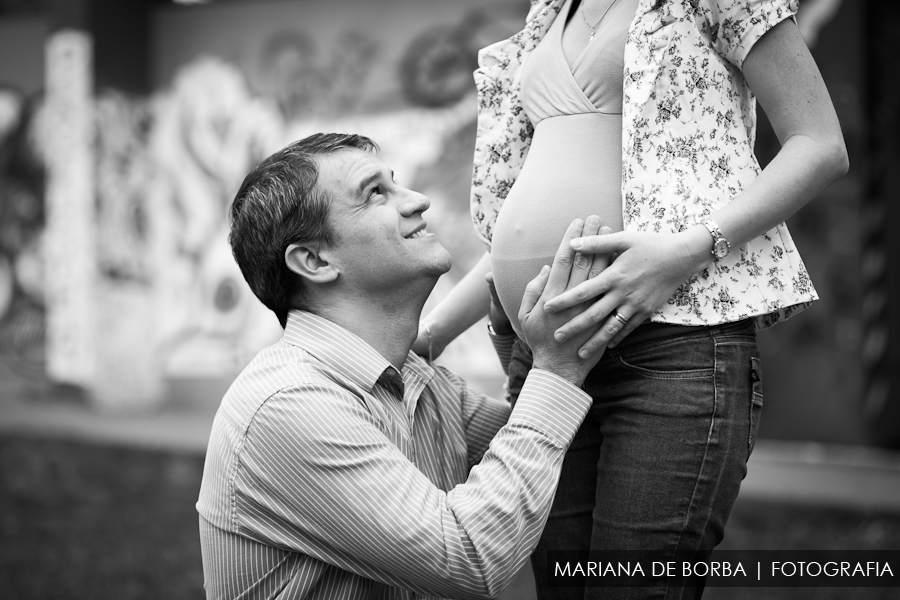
(595, 25)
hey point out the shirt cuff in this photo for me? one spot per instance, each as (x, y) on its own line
(551, 404)
(757, 18)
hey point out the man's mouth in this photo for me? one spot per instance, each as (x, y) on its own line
(421, 232)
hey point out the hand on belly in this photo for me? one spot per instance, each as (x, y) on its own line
(512, 274)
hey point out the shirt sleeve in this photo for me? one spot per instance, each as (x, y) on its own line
(503, 346)
(736, 25)
(327, 482)
(482, 415)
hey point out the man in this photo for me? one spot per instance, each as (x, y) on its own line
(339, 462)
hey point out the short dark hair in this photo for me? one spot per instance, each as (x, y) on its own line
(279, 204)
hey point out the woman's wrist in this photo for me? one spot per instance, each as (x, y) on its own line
(698, 244)
(500, 329)
(437, 336)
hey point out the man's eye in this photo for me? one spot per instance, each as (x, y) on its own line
(376, 191)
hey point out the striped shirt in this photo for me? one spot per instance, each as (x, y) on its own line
(331, 475)
(503, 346)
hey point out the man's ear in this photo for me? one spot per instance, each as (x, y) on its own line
(309, 264)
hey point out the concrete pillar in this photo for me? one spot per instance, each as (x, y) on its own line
(100, 326)
(70, 236)
(880, 267)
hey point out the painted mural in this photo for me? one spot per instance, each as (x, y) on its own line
(209, 129)
(171, 302)
(168, 165)
(22, 178)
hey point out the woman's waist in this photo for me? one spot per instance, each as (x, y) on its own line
(650, 332)
(512, 274)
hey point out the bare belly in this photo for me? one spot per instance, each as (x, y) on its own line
(573, 170)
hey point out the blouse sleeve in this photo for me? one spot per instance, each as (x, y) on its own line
(736, 25)
(504, 132)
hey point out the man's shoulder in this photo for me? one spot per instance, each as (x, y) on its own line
(448, 381)
(280, 369)
(278, 364)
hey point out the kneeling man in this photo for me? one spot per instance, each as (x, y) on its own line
(340, 464)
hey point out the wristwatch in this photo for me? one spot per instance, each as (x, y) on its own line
(721, 246)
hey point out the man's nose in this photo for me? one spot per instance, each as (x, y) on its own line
(414, 202)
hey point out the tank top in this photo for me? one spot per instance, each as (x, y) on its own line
(574, 166)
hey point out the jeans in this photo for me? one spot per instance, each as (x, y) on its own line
(657, 464)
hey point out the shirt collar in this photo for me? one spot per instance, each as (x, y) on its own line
(336, 347)
(418, 366)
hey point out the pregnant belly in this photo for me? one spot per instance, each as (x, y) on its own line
(573, 170)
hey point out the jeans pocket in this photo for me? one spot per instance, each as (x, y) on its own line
(756, 402)
(677, 357)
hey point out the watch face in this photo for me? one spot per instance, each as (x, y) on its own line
(720, 248)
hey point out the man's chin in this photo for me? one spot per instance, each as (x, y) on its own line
(437, 261)
(446, 262)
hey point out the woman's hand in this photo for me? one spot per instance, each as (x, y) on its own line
(646, 271)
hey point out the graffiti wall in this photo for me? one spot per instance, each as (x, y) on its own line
(22, 179)
(241, 82)
(235, 83)
(236, 80)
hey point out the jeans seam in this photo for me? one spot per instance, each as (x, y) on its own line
(715, 396)
(686, 374)
(742, 341)
(669, 341)
(756, 405)
(712, 425)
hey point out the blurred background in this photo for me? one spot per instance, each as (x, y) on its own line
(126, 127)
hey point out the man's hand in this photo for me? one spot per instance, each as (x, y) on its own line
(647, 270)
(569, 269)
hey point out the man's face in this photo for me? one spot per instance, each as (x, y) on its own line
(381, 238)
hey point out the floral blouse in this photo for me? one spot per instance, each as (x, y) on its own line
(689, 124)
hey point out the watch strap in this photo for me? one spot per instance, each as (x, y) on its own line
(721, 245)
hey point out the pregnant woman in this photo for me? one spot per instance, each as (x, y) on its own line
(641, 112)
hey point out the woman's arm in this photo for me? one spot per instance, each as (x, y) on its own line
(466, 303)
(783, 75)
